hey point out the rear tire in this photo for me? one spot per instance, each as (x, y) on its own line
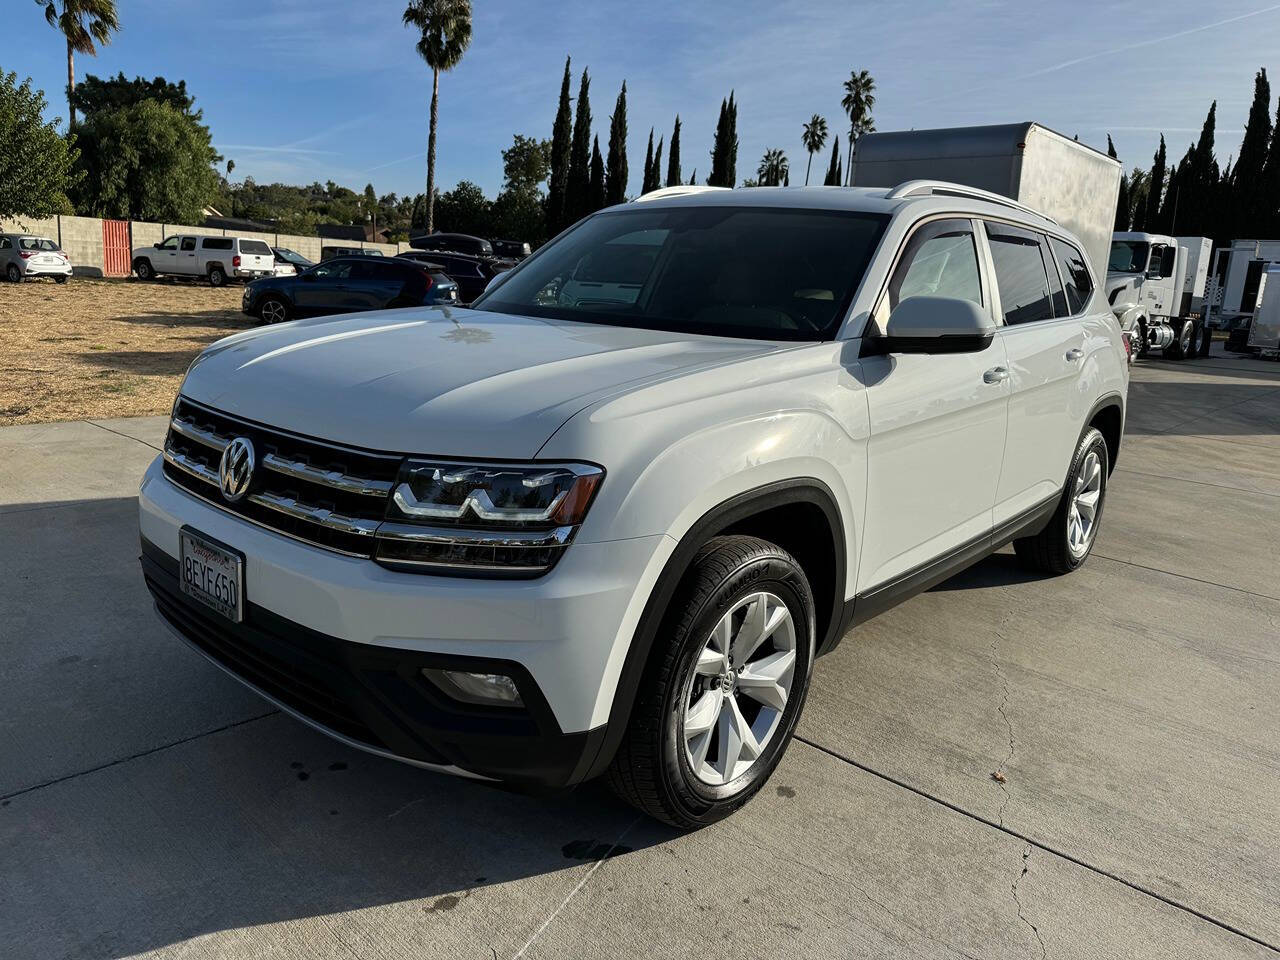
(1065, 543)
(217, 276)
(13, 273)
(1206, 340)
(1184, 345)
(274, 309)
(144, 270)
(1138, 340)
(61, 279)
(715, 712)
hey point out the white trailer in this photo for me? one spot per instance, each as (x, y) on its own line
(1059, 177)
(1156, 287)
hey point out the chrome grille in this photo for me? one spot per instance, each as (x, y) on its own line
(327, 495)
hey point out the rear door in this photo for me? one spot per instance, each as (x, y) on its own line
(1043, 338)
(937, 420)
(325, 289)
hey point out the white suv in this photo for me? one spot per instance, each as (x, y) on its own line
(217, 258)
(605, 520)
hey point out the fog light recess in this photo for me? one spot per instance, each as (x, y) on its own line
(488, 689)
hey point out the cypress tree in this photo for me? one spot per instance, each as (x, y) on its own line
(577, 188)
(1111, 148)
(596, 195)
(1197, 206)
(615, 172)
(1155, 190)
(645, 183)
(731, 158)
(716, 178)
(833, 178)
(1122, 205)
(1246, 186)
(561, 144)
(673, 157)
(693, 178)
(1168, 219)
(1271, 180)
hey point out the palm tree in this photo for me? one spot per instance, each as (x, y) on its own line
(84, 23)
(859, 98)
(814, 139)
(774, 169)
(445, 32)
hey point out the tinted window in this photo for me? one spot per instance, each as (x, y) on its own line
(1075, 274)
(940, 261)
(778, 274)
(36, 243)
(1055, 282)
(332, 271)
(216, 243)
(1168, 258)
(188, 243)
(5, 243)
(254, 246)
(1128, 256)
(1020, 275)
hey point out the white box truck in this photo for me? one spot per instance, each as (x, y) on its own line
(1156, 287)
(1061, 178)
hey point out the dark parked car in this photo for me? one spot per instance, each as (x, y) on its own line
(328, 253)
(472, 274)
(347, 285)
(455, 242)
(511, 249)
(292, 258)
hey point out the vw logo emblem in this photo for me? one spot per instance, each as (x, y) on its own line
(235, 471)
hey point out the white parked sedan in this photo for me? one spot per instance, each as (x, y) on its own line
(25, 255)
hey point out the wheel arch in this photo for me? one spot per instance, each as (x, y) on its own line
(1108, 416)
(799, 515)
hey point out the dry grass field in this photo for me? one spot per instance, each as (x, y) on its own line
(104, 348)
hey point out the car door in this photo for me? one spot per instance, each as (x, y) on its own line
(937, 421)
(164, 257)
(324, 289)
(1044, 342)
(186, 261)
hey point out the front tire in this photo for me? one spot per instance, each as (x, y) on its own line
(1138, 340)
(1065, 543)
(144, 270)
(724, 685)
(273, 309)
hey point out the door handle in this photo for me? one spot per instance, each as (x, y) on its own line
(995, 375)
(1074, 354)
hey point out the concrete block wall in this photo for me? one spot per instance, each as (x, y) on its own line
(81, 238)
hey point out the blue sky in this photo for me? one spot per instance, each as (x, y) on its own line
(304, 90)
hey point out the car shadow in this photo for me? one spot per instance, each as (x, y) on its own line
(226, 319)
(997, 570)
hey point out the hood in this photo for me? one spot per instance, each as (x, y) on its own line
(1122, 287)
(446, 381)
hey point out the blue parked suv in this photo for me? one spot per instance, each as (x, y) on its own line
(347, 285)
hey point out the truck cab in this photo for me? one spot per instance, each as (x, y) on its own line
(1155, 284)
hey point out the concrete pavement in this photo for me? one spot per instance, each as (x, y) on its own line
(151, 806)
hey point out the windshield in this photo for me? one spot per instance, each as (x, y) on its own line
(1128, 256)
(36, 243)
(763, 273)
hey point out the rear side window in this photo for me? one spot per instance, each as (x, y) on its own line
(216, 243)
(940, 261)
(1020, 274)
(1075, 274)
(188, 243)
(254, 246)
(1055, 282)
(6, 243)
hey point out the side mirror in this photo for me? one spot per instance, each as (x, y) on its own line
(496, 281)
(156, 245)
(936, 325)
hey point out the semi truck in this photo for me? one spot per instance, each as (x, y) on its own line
(1156, 287)
(1058, 177)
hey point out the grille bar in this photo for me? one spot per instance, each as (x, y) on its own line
(191, 467)
(318, 515)
(193, 432)
(300, 470)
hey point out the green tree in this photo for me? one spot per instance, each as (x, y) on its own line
(647, 179)
(596, 195)
(673, 156)
(1155, 190)
(1271, 182)
(835, 175)
(578, 197)
(724, 148)
(37, 165)
(464, 209)
(95, 94)
(85, 24)
(561, 144)
(615, 170)
(444, 33)
(526, 164)
(814, 139)
(1139, 181)
(148, 161)
(1111, 148)
(657, 165)
(774, 169)
(858, 101)
(1121, 223)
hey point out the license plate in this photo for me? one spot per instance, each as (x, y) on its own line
(212, 574)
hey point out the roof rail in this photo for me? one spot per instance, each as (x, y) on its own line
(943, 188)
(680, 191)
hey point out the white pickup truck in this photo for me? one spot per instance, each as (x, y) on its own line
(217, 258)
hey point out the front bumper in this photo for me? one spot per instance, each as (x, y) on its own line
(340, 642)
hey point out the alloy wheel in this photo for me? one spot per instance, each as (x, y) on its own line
(273, 311)
(738, 691)
(1085, 501)
(15, 275)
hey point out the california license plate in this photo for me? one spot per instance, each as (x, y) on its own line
(211, 574)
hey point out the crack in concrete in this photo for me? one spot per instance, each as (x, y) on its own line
(998, 636)
(1026, 856)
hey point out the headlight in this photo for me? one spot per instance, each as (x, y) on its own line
(484, 518)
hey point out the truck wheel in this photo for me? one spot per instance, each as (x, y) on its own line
(217, 276)
(144, 270)
(1138, 340)
(723, 687)
(1064, 544)
(1184, 346)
